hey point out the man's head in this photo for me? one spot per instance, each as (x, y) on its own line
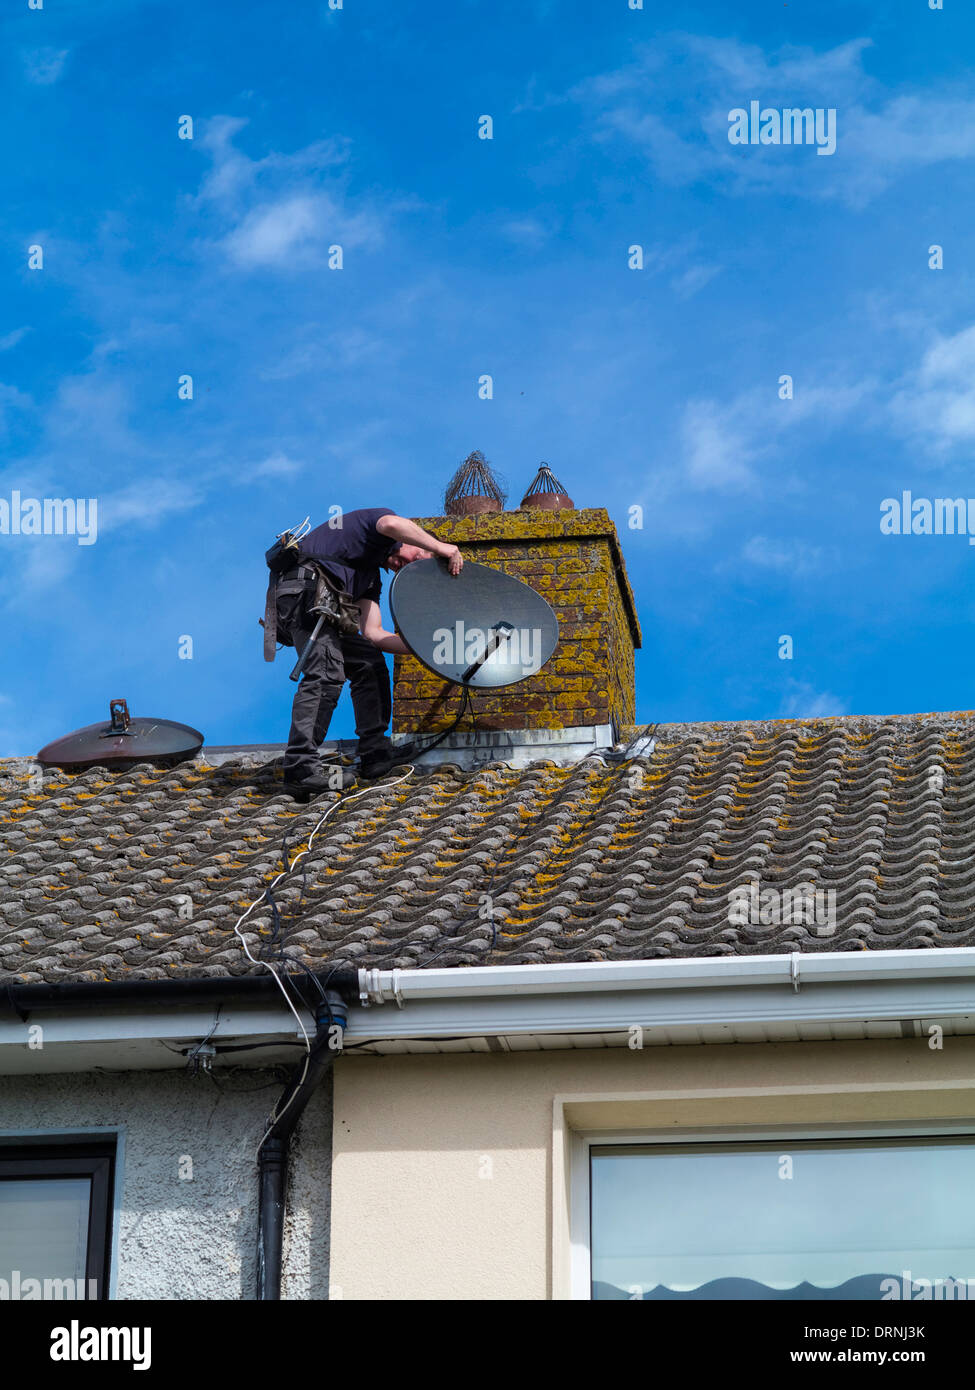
(403, 554)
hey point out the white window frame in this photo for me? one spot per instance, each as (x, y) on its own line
(582, 1143)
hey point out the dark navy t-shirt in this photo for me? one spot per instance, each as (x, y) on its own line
(351, 550)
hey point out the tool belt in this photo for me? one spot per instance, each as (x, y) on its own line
(312, 592)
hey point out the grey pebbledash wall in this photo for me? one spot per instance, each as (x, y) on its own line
(189, 1238)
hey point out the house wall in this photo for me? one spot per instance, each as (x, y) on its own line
(178, 1238)
(449, 1173)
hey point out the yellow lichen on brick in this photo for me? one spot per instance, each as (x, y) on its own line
(573, 559)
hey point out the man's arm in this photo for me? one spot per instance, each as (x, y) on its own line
(371, 627)
(400, 528)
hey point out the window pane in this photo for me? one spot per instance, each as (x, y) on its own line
(44, 1227)
(781, 1221)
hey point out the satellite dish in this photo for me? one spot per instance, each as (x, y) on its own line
(480, 628)
(122, 742)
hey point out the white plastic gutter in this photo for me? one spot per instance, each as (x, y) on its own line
(80, 1038)
(604, 996)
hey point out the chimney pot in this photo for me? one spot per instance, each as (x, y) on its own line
(547, 493)
(474, 489)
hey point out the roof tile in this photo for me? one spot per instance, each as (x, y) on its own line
(143, 874)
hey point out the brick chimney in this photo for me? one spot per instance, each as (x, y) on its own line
(573, 559)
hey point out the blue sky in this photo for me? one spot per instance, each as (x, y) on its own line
(462, 256)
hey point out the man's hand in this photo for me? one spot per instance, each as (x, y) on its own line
(400, 528)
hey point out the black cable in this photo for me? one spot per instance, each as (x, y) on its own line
(281, 1076)
(230, 1047)
(15, 1007)
(271, 947)
(414, 749)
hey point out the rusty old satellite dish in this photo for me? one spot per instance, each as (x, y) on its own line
(123, 742)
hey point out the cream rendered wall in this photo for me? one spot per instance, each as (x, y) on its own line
(450, 1172)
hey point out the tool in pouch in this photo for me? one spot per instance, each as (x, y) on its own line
(330, 604)
(302, 579)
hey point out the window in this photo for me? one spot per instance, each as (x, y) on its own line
(55, 1221)
(811, 1219)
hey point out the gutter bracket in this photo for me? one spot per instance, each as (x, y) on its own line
(794, 971)
(369, 991)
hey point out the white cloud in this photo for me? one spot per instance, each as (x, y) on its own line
(937, 403)
(803, 701)
(526, 231)
(43, 66)
(232, 172)
(93, 406)
(676, 260)
(279, 213)
(791, 67)
(906, 133)
(276, 233)
(316, 351)
(533, 102)
(716, 452)
(38, 565)
(786, 556)
(723, 442)
(11, 339)
(297, 232)
(672, 105)
(277, 465)
(693, 279)
(145, 503)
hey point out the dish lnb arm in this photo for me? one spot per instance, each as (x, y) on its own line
(500, 632)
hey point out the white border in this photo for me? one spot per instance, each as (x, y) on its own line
(581, 1144)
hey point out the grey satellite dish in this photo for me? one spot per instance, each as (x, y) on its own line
(123, 742)
(480, 628)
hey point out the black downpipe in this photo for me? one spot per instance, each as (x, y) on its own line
(331, 1017)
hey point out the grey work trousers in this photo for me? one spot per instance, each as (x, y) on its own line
(334, 660)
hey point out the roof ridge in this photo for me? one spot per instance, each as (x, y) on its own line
(803, 721)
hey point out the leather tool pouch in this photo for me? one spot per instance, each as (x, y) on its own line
(301, 592)
(331, 601)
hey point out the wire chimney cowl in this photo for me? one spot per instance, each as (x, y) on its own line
(474, 488)
(547, 493)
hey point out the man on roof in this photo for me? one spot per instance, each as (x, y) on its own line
(351, 550)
